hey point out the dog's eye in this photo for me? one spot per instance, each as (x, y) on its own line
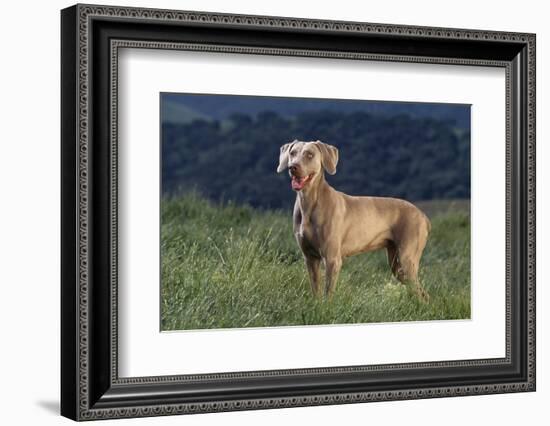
(309, 155)
(292, 153)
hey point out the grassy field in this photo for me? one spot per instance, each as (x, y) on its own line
(232, 266)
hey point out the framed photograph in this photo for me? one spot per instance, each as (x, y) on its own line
(263, 212)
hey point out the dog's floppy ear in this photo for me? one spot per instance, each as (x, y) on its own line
(329, 156)
(283, 156)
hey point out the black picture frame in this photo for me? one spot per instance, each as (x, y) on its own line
(90, 386)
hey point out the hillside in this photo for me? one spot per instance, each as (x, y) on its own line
(236, 159)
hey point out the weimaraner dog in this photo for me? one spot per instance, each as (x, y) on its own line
(330, 225)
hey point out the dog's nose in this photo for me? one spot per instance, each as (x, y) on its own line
(293, 169)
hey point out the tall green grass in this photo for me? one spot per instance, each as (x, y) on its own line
(227, 266)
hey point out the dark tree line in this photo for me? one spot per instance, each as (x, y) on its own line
(235, 159)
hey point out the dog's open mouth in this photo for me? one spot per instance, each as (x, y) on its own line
(298, 182)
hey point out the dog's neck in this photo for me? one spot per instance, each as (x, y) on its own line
(309, 197)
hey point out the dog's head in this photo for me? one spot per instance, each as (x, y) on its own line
(306, 161)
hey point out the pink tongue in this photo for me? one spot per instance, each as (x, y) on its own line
(298, 183)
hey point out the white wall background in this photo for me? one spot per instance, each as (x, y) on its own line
(29, 211)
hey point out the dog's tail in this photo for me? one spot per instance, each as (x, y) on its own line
(429, 224)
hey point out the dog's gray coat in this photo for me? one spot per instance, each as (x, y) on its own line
(330, 225)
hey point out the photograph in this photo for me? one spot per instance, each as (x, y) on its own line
(286, 211)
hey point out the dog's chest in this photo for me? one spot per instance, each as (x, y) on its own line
(306, 237)
(304, 234)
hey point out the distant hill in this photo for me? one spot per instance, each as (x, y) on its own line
(184, 108)
(179, 113)
(415, 158)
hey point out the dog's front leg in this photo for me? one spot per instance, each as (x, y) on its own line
(313, 265)
(333, 264)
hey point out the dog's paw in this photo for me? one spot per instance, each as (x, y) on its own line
(423, 295)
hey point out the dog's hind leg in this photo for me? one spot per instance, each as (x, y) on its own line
(393, 259)
(410, 244)
(407, 273)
